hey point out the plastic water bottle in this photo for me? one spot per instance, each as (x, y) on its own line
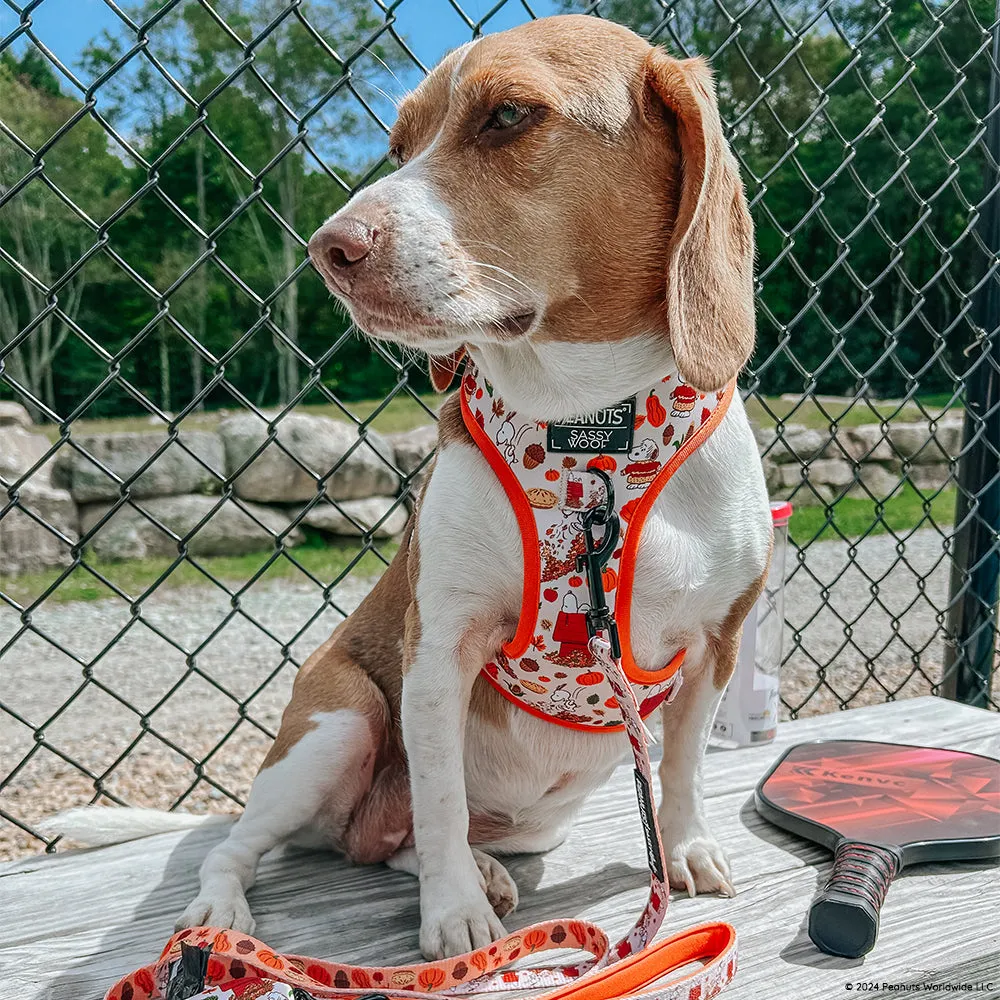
(748, 712)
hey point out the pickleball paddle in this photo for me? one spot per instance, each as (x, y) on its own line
(879, 807)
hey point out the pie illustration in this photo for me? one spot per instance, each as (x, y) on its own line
(540, 497)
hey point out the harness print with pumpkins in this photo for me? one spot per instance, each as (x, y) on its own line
(551, 474)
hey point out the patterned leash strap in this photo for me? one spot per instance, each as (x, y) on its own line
(241, 966)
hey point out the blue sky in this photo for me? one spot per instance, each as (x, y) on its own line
(431, 26)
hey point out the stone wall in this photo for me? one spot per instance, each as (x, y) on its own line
(341, 483)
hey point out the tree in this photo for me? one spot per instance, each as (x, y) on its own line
(255, 109)
(43, 233)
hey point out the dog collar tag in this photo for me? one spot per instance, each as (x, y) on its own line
(607, 431)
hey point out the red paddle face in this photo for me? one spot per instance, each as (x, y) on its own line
(883, 793)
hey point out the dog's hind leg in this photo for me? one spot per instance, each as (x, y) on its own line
(316, 780)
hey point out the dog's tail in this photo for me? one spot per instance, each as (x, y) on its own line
(99, 826)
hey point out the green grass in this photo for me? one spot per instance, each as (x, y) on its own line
(135, 576)
(403, 413)
(856, 516)
(819, 415)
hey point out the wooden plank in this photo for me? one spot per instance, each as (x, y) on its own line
(70, 924)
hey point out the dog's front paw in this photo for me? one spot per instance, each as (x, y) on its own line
(699, 864)
(453, 926)
(223, 909)
(500, 888)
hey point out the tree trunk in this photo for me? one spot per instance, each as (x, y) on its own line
(201, 275)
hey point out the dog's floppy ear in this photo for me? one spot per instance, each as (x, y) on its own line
(444, 369)
(710, 256)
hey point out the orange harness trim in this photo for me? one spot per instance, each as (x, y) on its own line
(547, 499)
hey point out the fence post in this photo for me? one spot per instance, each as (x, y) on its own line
(975, 574)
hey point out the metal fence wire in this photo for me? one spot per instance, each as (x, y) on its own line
(156, 599)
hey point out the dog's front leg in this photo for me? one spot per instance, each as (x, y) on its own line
(455, 913)
(695, 859)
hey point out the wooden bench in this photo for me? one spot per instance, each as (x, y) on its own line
(72, 923)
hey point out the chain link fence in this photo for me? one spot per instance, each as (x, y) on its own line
(198, 481)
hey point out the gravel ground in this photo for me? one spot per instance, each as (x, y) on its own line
(215, 647)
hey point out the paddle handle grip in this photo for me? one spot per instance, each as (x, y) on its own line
(844, 917)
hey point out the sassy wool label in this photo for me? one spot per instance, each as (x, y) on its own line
(608, 431)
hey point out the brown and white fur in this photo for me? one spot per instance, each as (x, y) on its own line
(576, 254)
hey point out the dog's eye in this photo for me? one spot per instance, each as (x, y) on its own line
(506, 116)
(396, 156)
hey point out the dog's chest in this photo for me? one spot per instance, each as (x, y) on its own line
(534, 772)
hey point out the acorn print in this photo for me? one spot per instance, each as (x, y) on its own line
(534, 455)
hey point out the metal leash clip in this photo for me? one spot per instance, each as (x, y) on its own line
(593, 561)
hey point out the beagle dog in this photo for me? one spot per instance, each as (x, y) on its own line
(566, 212)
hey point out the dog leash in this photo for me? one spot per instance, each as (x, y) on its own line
(634, 967)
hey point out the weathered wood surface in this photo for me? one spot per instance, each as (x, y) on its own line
(72, 923)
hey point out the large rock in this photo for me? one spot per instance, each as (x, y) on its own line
(354, 518)
(306, 450)
(931, 477)
(829, 471)
(192, 463)
(13, 415)
(867, 443)
(20, 450)
(876, 480)
(229, 531)
(26, 545)
(797, 444)
(916, 441)
(412, 451)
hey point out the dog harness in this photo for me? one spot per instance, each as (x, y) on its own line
(552, 476)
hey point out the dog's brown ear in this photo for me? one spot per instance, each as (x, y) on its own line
(711, 252)
(444, 369)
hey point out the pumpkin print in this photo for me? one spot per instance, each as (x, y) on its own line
(575, 581)
(655, 412)
(552, 475)
(479, 960)
(220, 942)
(269, 959)
(609, 578)
(144, 979)
(431, 979)
(320, 974)
(603, 462)
(590, 678)
(360, 979)
(534, 940)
